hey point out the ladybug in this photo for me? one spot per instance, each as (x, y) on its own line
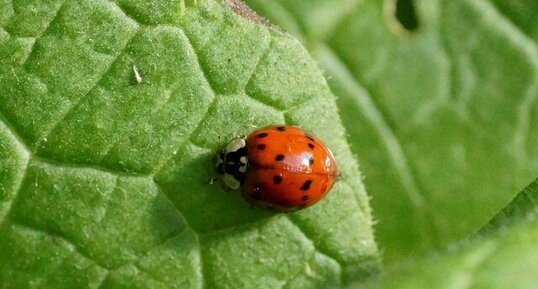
(278, 166)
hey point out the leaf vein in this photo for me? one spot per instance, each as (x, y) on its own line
(206, 80)
(62, 237)
(14, 133)
(490, 7)
(103, 280)
(211, 107)
(483, 256)
(126, 13)
(44, 32)
(317, 247)
(86, 95)
(15, 196)
(373, 113)
(117, 173)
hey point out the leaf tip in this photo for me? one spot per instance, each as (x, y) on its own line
(241, 9)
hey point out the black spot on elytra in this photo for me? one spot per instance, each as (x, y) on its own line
(277, 179)
(311, 161)
(281, 128)
(260, 147)
(262, 135)
(306, 185)
(304, 198)
(311, 146)
(279, 158)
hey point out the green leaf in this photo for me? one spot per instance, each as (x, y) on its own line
(104, 178)
(439, 100)
(503, 255)
(521, 13)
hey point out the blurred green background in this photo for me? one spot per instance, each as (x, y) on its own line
(439, 101)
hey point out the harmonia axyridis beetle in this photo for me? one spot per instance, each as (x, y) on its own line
(280, 167)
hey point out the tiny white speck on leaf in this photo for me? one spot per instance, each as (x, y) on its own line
(137, 75)
(308, 270)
